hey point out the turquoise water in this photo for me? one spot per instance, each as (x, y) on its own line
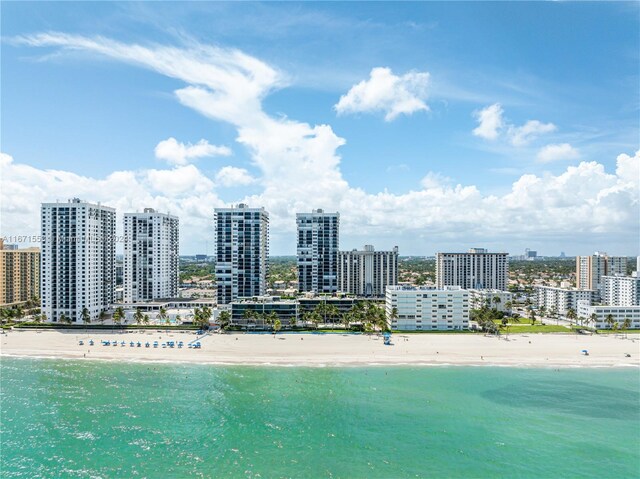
(117, 420)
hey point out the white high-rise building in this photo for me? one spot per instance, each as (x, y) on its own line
(561, 300)
(150, 256)
(476, 269)
(621, 290)
(241, 251)
(77, 268)
(591, 269)
(427, 308)
(317, 248)
(367, 272)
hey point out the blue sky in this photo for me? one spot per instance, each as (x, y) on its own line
(562, 79)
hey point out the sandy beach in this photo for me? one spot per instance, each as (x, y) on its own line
(552, 350)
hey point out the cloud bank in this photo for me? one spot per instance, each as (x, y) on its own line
(299, 169)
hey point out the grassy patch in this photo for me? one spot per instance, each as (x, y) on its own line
(538, 328)
(619, 331)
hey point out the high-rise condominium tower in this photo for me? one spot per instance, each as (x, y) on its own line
(19, 274)
(317, 247)
(367, 272)
(241, 251)
(150, 256)
(476, 269)
(78, 259)
(591, 269)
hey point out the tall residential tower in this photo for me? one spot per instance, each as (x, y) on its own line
(241, 251)
(77, 268)
(150, 256)
(317, 248)
(591, 269)
(476, 269)
(19, 274)
(367, 272)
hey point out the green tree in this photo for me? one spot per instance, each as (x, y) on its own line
(145, 320)
(626, 325)
(162, 314)
(277, 325)
(571, 316)
(138, 316)
(609, 320)
(224, 319)
(86, 316)
(292, 321)
(102, 316)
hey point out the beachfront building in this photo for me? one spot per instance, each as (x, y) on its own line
(77, 268)
(561, 300)
(150, 256)
(476, 269)
(604, 316)
(621, 290)
(367, 273)
(175, 310)
(317, 250)
(241, 249)
(591, 269)
(426, 308)
(19, 274)
(256, 313)
(493, 298)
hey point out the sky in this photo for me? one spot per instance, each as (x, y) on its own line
(430, 126)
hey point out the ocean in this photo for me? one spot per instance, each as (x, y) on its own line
(95, 419)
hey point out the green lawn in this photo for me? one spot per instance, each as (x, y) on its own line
(619, 331)
(538, 328)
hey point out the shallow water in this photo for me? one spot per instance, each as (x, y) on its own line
(65, 418)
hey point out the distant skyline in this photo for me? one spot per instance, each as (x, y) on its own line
(430, 126)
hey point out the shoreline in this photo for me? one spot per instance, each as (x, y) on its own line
(332, 350)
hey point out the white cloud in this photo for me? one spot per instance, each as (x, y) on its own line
(490, 122)
(434, 180)
(563, 151)
(176, 153)
(232, 176)
(383, 91)
(299, 169)
(521, 135)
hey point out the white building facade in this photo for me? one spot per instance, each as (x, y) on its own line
(427, 308)
(476, 269)
(621, 290)
(151, 242)
(317, 249)
(77, 268)
(598, 315)
(562, 299)
(368, 272)
(241, 250)
(493, 298)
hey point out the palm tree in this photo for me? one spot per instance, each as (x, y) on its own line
(224, 319)
(162, 314)
(276, 326)
(532, 316)
(508, 305)
(332, 312)
(594, 319)
(138, 316)
(205, 316)
(116, 316)
(41, 318)
(626, 325)
(292, 321)
(496, 300)
(571, 315)
(86, 316)
(271, 318)
(178, 319)
(248, 315)
(346, 319)
(609, 320)
(394, 315)
(102, 316)
(145, 320)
